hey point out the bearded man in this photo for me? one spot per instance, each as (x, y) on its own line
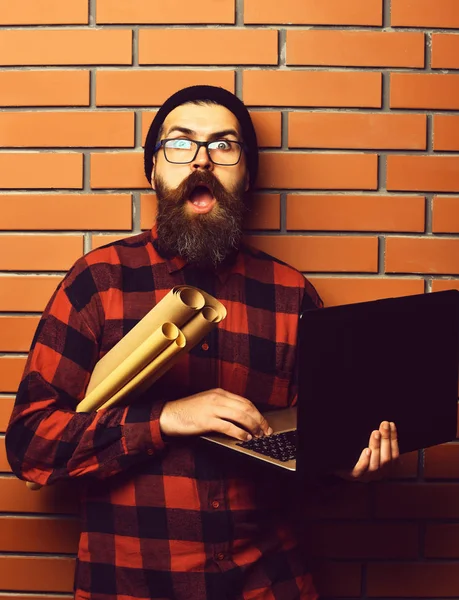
(163, 516)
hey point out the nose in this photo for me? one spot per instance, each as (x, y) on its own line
(202, 160)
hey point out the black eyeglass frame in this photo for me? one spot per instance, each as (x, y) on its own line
(161, 143)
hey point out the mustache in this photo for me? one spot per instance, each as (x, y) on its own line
(182, 192)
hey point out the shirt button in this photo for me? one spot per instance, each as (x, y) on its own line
(205, 346)
(220, 556)
(215, 504)
(150, 451)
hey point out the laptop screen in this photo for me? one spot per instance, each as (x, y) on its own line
(359, 364)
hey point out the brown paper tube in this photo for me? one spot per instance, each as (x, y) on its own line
(133, 385)
(133, 364)
(193, 331)
(178, 306)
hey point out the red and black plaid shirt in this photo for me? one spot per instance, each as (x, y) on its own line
(175, 519)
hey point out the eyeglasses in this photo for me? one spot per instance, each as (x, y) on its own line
(181, 151)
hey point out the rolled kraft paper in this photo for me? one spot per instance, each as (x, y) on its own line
(163, 358)
(215, 304)
(193, 331)
(178, 306)
(144, 354)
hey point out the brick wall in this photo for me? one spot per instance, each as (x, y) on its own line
(356, 107)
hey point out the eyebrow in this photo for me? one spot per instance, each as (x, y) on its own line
(214, 135)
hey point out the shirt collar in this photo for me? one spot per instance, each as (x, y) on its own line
(176, 263)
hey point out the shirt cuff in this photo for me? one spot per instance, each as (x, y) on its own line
(141, 431)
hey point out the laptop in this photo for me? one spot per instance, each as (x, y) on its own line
(394, 359)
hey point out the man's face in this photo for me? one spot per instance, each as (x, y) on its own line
(200, 204)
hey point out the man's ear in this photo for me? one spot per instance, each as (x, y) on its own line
(247, 182)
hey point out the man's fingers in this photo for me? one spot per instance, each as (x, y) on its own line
(254, 424)
(230, 429)
(375, 447)
(362, 464)
(244, 412)
(394, 441)
(386, 446)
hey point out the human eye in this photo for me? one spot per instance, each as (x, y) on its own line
(222, 145)
(179, 144)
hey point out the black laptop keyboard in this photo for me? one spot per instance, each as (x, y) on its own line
(278, 445)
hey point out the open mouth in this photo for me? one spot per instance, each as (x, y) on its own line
(201, 199)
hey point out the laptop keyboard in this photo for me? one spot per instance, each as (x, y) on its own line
(281, 446)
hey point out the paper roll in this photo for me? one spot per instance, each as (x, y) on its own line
(143, 355)
(163, 359)
(178, 306)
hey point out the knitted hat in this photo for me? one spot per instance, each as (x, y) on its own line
(215, 94)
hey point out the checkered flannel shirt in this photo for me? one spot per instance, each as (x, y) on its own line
(165, 518)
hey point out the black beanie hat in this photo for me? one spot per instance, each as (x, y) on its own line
(218, 95)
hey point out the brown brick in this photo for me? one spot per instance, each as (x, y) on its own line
(15, 497)
(364, 540)
(47, 212)
(424, 13)
(173, 11)
(26, 293)
(101, 129)
(4, 468)
(314, 12)
(312, 88)
(6, 407)
(208, 46)
(44, 88)
(445, 214)
(446, 132)
(412, 580)
(357, 130)
(65, 47)
(318, 171)
(442, 462)
(101, 240)
(147, 210)
(118, 170)
(39, 252)
(32, 574)
(424, 90)
(423, 173)
(322, 253)
(442, 541)
(268, 128)
(150, 88)
(335, 579)
(264, 212)
(267, 125)
(422, 255)
(39, 535)
(417, 501)
(355, 48)
(438, 285)
(44, 12)
(445, 51)
(348, 290)
(355, 213)
(39, 170)
(16, 333)
(11, 369)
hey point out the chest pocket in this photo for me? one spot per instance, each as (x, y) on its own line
(265, 391)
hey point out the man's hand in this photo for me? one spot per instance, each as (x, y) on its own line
(382, 450)
(213, 411)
